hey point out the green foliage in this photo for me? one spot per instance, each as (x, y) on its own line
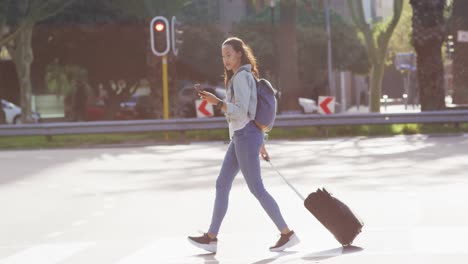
(348, 52)
(87, 12)
(401, 38)
(376, 37)
(144, 10)
(200, 12)
(67, 141)
(200, 54)
(84, 12)
(259, 37)
(4, 4)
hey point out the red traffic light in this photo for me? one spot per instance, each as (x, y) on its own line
(160, 36)
(159, 26)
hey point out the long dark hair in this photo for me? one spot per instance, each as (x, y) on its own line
(247, 57)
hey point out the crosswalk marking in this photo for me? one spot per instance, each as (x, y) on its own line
(45, 253)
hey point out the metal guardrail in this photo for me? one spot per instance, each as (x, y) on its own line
(50, 129)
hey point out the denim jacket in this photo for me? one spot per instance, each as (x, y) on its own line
(241, 99)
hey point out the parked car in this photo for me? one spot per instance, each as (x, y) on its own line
(95, 109)
(12, 113)
(188, 95)
(139, 106)
(136, 107)
(2, 116)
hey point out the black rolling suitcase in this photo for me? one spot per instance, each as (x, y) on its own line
(332, 213)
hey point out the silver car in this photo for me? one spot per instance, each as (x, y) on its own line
(12, 113)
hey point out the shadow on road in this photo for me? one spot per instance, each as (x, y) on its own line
(331, 253)
(315, 256)
(209, 258)
(269, 260)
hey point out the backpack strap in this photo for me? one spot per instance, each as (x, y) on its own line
(269, 85)
(255, 79)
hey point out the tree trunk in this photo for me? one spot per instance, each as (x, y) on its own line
(23, 57)
(430, 76)
(376, 46)
(460, 56)
(428, 36)
(288, 60)
(375, 85)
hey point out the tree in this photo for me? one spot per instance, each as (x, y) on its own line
(460, 55)
(376, 37)
(199, 56)
(349, 54)
(401, 37)
(110, 39)
(17, 21)
(428, 36)
(288, 55)
(143, 11)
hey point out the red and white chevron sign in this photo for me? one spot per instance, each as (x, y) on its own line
(204, 109)
(326, 105)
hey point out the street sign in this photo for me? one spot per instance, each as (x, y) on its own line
(462, 36)
(405, 61)
(326, 104)
(204, 109)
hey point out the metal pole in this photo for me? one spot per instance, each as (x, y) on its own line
(331, 82)
(343, 92)
(165, 87)
(165, 92)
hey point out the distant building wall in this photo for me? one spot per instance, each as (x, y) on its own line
(230, 12)
(374, 10)
(383, 9)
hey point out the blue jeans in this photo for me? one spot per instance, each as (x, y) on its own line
(243, 154)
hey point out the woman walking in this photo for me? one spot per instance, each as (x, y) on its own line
(240, 72)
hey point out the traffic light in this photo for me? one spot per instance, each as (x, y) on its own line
(450, 48)
(160, 39)
(177, 35)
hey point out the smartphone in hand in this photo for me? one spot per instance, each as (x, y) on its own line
(198, 88)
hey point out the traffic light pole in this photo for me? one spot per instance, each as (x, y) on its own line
(160, 45)
(165, 87)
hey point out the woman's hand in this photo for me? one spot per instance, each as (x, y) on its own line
(264, 153)
(209, 97)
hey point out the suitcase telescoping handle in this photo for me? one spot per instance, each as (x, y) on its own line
(287, 182)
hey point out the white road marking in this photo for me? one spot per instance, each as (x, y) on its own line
(45, 253)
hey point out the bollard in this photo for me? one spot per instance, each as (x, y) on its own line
(405, 98)
(385, 97)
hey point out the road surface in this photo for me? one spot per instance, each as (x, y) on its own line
(138, 204)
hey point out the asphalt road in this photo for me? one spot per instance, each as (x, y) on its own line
(137, 204)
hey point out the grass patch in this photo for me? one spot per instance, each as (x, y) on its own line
(71, 141)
